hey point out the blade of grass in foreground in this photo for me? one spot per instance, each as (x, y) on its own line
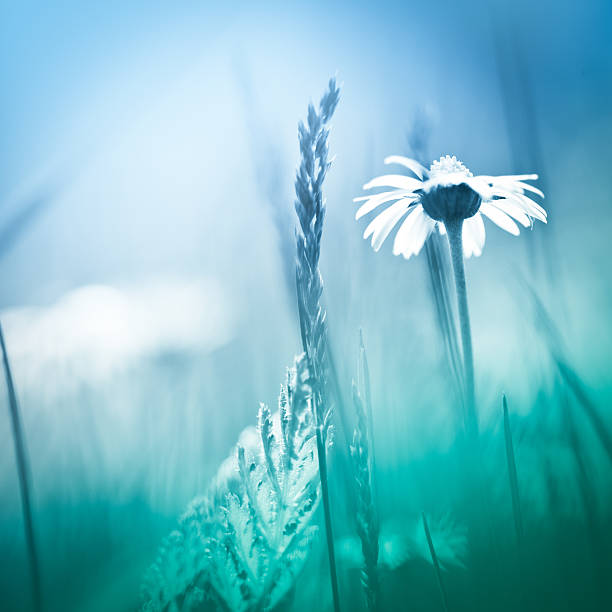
(516, 501)
(512, 475)
(436, 564)
(21, 457)
(574, 382)
(588, 495)
(367, 517)
(552, 336)
(364, 390)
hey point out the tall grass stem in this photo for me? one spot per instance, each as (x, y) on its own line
(512, 475)
(436, 564)
(23, 470)
(310, 209)
(367, 523)
(365, 391)
(322, 456)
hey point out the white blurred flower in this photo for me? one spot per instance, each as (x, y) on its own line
(446, 193)
(404, 540)
(94, 331)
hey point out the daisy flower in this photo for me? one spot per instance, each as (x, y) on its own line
(446, 194)
(450, 199)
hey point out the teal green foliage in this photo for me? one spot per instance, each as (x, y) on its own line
(244, 543)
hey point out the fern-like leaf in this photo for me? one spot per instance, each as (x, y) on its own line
(243, 544)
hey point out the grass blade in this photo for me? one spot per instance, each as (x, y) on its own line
(552, 336)
(23, 470)
(364, 391)
(436, 564)
(573, 381)
(368, 528)
(512, 475)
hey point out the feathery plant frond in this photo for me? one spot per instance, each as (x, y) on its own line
(244, 543)
(310, 209)
(178, 580)
(367, 517)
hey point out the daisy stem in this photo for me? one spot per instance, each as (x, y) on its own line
(454, 231)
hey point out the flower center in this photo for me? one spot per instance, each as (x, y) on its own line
(448, 196)
(448, 165)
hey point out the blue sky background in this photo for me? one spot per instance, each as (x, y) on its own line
(130, 117)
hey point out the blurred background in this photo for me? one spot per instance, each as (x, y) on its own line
(147, 244)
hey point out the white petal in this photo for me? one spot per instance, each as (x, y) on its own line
(518, 187)
(531, 208)
(394, 180)
(411, 231)
(510, 177)
(500, 218)
(411, 164)
(528, 187)
(512, 209)
(473, 236)
(420, 232)
(478, 185)
(381, 226)
(375, 201)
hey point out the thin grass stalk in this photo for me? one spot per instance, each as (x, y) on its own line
(552, 336)
(310, 209)
(512, 476)
(23, 471)
(436, 564)
(340, 410)
(331, 551)
(365, 392)
(455, 242)
(368, 528)
(589, 500)
(574, 382)
(270, 174)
